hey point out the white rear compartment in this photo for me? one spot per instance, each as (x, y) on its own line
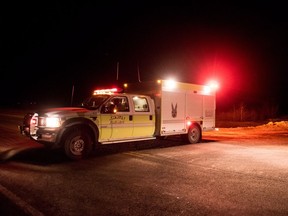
(182, 103)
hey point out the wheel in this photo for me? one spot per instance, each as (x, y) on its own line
(78, 144)
(194, 134)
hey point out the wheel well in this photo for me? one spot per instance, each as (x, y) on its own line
(196, 124)
(93, 134)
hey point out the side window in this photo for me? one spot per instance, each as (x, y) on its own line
(140, 104)
(121, 104)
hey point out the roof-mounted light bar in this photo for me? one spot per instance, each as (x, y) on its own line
(105, 91)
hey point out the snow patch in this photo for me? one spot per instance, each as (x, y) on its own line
(279, 124)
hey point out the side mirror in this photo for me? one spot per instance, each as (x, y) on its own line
(109, 108)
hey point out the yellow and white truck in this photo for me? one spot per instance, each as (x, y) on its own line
(142, 111)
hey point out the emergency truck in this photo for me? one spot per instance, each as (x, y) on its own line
(141, 111)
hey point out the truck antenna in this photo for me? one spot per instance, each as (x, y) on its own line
(72, 95)
(138, 71)
(117, 71)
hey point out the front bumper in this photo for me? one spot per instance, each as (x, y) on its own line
(24, 130)
(40, 134)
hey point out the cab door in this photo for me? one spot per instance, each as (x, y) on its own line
(121, 120)
(143, 117)
(117, 121)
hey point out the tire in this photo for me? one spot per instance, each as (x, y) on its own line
(78, 144)
(194, 134)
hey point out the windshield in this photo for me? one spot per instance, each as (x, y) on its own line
(95, 101)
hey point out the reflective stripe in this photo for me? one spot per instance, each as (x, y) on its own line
(173, 121)
(127, 125)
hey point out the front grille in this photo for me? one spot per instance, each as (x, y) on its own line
(27, 119)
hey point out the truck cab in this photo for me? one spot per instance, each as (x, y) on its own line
(105, 117)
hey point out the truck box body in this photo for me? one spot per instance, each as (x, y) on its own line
(179, 103)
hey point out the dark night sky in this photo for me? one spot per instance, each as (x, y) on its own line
(49, 47)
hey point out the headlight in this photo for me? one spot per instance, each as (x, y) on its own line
(53, 122)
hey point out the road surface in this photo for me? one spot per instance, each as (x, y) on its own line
(234, 171)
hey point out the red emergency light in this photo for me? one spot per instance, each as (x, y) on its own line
(105, 91)
(213, 84)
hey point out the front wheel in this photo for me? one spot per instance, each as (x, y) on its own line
(194, 134)
(78, 144)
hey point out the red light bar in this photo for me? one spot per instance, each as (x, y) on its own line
(105, 91)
